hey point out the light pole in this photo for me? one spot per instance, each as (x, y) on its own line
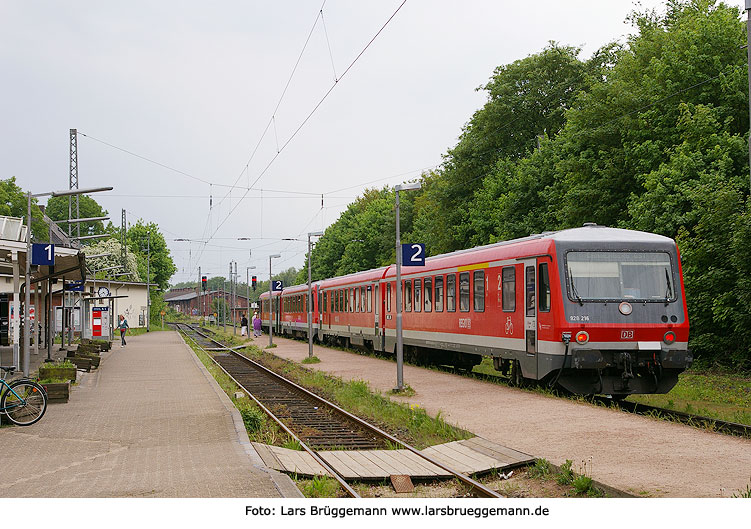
(247, 295)
(148, 281)
(27, 300)
(399, 337)
(310, 298)
(271, 330)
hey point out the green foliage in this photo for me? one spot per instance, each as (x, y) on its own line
(321, 487)
(650, 134)
(566, 474)
(57, 209)
(311, 360)
(111, 249)
(541, 469)
(743, 493)
(253, 418)
(14, 203)
(161, 265)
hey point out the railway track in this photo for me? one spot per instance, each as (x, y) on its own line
(690, 419)
(314, 422)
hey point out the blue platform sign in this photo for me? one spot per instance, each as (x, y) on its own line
(413, 254)
(43, 254)
(74, 286)
(277, 286)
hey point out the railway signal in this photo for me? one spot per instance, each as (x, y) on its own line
(254, 282)
(204, 283)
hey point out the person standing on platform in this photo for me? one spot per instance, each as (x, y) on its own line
(256, 325)
(244, 326)
(123, 326)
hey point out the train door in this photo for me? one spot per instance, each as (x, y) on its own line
(530, 317)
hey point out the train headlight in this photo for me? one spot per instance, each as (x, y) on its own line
(669, 338)
(582, 337)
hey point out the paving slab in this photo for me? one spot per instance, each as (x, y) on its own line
(636, 454)
(150, 422)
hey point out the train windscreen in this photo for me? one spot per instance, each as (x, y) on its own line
(617, 276)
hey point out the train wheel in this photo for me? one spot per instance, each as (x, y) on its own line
(517, 379)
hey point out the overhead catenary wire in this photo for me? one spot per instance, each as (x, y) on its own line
(310, 115)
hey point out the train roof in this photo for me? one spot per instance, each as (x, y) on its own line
(589, 233)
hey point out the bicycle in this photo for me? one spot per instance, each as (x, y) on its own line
(23, 401)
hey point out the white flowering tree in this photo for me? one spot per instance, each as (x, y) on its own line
(113, 248)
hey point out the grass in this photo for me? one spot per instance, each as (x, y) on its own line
(579, 483)
(412, 424)
(719, 395)
(260, 428)
(321, 487)
(311, 360)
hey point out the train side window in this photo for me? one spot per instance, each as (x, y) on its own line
(357, 299)
(439, 294)
(370, 299)
(530, 290)
(408, 296)
(464, 291)
(363, 299)
(451, 293)
(418, 295)
(509, 289)
(428, 294)
(478, 278)
(388, 297)
(323, 303)
(543, 282)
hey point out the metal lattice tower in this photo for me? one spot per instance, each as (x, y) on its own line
(73, 182)
(124, 248)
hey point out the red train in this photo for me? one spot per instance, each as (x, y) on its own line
(595, 310)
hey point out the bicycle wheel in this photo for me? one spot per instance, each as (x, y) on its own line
(26, 404)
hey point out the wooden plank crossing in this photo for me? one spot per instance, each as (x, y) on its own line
(469, 456)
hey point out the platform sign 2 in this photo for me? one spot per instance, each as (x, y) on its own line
(413, 254)
(277, 286)
(43, 254)
(74, 286)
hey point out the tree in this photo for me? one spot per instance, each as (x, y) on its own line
(527, 100)
(57, 209)
(14, 203)
(161, 264)
(110, 250)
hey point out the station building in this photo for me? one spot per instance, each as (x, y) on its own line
(64, 301)
(194, 303)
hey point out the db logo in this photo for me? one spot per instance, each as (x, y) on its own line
(509, 326)
(627, 335)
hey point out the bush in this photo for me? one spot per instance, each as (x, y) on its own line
(253, 419)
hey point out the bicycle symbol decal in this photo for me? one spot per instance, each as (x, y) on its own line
(509, 326)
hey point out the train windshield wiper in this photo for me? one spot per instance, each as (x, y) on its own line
(574, 291)
(668, 288)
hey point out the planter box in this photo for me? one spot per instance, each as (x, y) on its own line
(88, 348)
(65, 373)
(104, 345)
(57, 392)
(95, 359)
(82, 362)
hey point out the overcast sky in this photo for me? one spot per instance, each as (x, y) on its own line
(193, 85)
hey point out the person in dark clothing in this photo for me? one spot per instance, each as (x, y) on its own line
(244, 326)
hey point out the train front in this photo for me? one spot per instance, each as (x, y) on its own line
(626, 325)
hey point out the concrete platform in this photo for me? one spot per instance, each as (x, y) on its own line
(150, 422)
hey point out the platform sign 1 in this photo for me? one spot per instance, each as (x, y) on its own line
(277, 286)
(43, 254)
(413, 254)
